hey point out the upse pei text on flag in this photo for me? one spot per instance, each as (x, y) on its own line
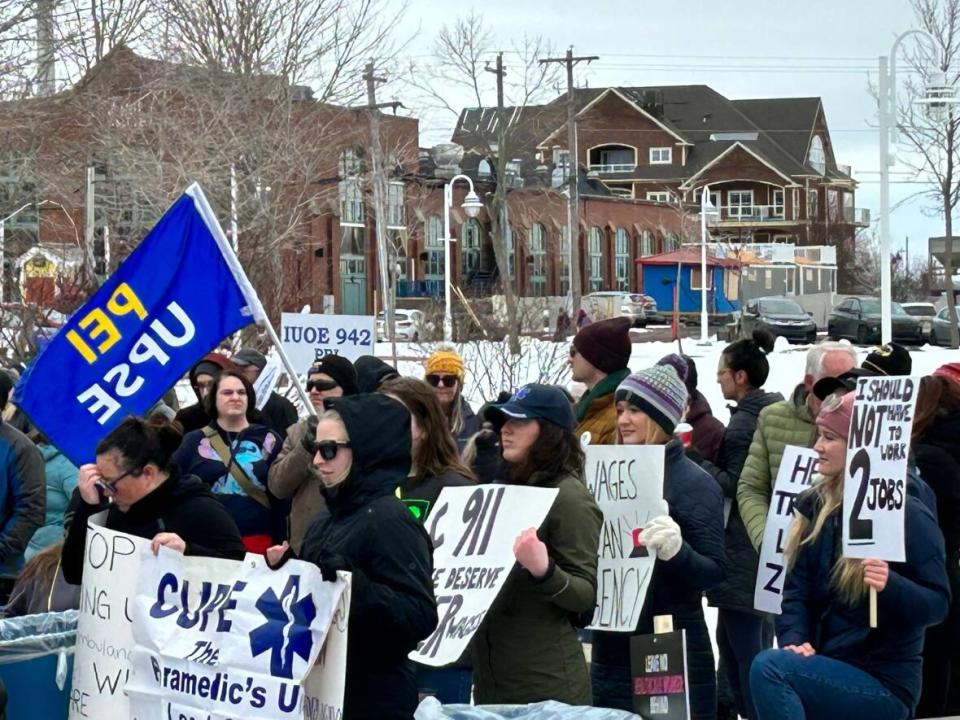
(177, 295)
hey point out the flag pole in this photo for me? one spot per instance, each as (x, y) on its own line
(253, 300)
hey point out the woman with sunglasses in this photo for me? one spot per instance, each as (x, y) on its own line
(145, 495)
(687, 541)
(527, 649)
(233, 455)
(445, 373)
(292, 475)
(831, 663)
(362, 455)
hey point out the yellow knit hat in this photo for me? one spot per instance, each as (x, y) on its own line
(446, 362)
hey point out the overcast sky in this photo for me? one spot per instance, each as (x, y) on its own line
(825, 48)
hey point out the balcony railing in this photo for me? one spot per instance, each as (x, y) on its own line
(614, 168)
(856, 216)
(748, 214)
(845, 169)
(419, 288)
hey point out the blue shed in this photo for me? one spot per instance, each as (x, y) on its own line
(659, 275)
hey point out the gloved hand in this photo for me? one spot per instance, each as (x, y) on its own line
(309, 439)
(330, 563)
(487, 438)
(662, 536)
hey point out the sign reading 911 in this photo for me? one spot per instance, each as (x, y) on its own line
(875, 477)
(473, 530)
(307, 338)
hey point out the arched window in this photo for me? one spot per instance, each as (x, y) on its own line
(817, 158)
(538, 271)
(484, 170)
(622, 256)
(595, 252)
(471, 243)
(564, 261)
(351, 162)
(646, 244)
(511, 253)
(434, 248)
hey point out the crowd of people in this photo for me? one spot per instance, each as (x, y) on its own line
(349, 487)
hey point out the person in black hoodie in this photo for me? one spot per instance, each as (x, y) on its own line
(202, 376)
(936, 450)
(687, 542)
(371, 373)
(146, 496)
(362, 457)
(831, 663)
(742, 632)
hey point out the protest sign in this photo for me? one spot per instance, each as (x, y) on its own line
(267, 381)
(178, 294)
(627, 483)
(104, 624)
(473, 530)
(659, 671)
(875, 476)
(325, 684)
(308, 337)
(797, 468)
(221, 638)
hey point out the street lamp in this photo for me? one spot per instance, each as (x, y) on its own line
(471, 206)
(706, 208)
(3, 243)
(938, 96)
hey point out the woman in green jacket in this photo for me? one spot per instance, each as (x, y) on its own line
(527, 649)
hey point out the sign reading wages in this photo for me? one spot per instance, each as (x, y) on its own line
(795, 475)
(307, 338)
(473, 530)
(874, 481)
(627, 483)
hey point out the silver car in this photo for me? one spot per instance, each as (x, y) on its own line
(409, 325)
(924, 313)
(940, 332)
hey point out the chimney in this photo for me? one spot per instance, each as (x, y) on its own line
(46, 57)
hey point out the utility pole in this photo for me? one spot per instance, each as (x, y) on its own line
(379, 203)
(499, 72)
(573, 169)
(46, 58)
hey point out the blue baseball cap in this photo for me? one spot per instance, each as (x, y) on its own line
(534, 402)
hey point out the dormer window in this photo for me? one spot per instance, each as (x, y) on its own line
(817, 158)
(661, 156)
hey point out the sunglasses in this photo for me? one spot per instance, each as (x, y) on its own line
(328, 449)
(111, 485)
(448, 381)
(321, 385)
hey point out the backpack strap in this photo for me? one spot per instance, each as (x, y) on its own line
(226, 456)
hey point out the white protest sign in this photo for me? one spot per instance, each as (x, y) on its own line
(875, 476)
(797, 468)
(224, 639)
(104, 631)
(473, 530)
(627, 483)
(307, 337)
(325, 684)
(267, 381)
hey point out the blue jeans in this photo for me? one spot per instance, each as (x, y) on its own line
(787, 685)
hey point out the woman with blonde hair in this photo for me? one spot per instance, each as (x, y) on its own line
(831, 663)
(445, 373)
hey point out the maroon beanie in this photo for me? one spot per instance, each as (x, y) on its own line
(606, 344)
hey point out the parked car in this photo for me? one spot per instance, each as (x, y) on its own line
(940, 332)
(858, 319)
(612, 303)
(781, 316)
(410, 325)
(924, 312)
(650, 309)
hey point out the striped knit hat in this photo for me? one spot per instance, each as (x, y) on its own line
(659, 392)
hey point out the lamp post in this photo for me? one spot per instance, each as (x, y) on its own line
(937, 97)
(472, 206)
(706, 208)
(3, 244)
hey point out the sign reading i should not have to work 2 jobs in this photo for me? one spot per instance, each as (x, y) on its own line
(307, 338)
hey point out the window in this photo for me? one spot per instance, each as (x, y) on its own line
(661, 156)
(351, 163)
(777, 209)
(595, 255)
(808, 276)
(397, 250)
(396, 212)
(695, 278)
(671, 243)
(511, 253)
(833, 206)
(714, 198)
(434, 248)
(484, 170)
(470, 252)
(646, 244)
(613, 158)
(564, 261)
(351, 203)
(561, 167)
(352, 240)
(622, 257)
(768, 280)
(813, 208)
(538, 271)
(741, 203)
(661, 196)
(817, 158)
(791, 281)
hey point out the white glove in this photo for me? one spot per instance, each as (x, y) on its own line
(662, 536)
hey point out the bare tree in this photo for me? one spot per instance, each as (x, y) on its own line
(461, 60)
(932, 145)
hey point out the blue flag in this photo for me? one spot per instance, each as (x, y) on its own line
(171, 301)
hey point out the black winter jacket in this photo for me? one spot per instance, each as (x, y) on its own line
(278, 414)
(916, 596)
(696, 504)
(365, 529)
(736, 590)
(182, 504)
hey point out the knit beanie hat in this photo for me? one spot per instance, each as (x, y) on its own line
(606, 344)
(447, 362)
(835, 414)
(890, 359)
(659, 392)
(340, 370)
